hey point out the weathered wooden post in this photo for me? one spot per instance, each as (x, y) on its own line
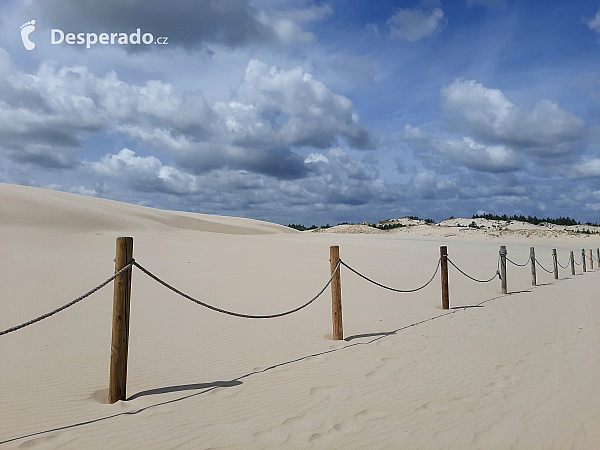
(591, 260)
(503, 254)
(572, 263)
(583, 259)
(598, 255)
(120, 321)
(444, 272)
(555, 262)
(532, 258)
(336, 293)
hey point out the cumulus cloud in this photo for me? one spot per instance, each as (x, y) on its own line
(341, 181)
(225, 156)
(287, 24)
(589, 168)
(594, 24)
(145, 174)
(428, 186)
(187, 23)
(477, 156)
(292, 107)
(412, 133)
(65, 103)
(547, 129)
(315, 158)
(46, 116)
(415, 24)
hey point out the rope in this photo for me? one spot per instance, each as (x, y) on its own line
(231, 313)
(68, 305)
(520, 265)
(538, 263)
(564, 267)
(392, 289)
(497, 274)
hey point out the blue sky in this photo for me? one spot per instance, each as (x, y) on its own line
(311, 112)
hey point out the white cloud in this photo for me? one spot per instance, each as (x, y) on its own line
(544, 130)
(58, 107)
(285, 24)
(340, 182)
(46, 116)
(415, 24)
(589, 168)
(594, 24)
(291, 108)
(315, 158)
(476, 156)
(82, 190)
(412, 133)
(592, 206)
(144, 173)
(428, 186)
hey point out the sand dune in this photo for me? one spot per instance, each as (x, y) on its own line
(26, 206)
(498, 371)
(468, 228)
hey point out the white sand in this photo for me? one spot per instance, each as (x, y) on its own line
(521, 371)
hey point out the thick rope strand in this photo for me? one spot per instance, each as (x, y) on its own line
(231, 313)
(393, 289)
(497, 274)
(68, 305)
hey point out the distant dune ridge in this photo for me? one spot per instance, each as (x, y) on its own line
(517, 371)
(465, 227)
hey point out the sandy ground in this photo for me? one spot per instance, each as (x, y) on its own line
(497, 371)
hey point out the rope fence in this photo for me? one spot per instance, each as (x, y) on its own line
(124, 264)
(518, 265)
(546, 270)
(68, 305)
(497, 274)
(393, 289)
(231, 313)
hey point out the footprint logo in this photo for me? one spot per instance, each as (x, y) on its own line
(26, 30)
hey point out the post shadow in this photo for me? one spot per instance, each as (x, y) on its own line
(184, 387)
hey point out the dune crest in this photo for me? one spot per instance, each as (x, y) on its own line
(26, 206)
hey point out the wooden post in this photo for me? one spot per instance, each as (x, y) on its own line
(336, 294)
(583, 259)
(572, 263)
(444, 272)
(503, 268)
(598, 255)
(591, 260)
(120, 322)
(532, 258)
(555, 262)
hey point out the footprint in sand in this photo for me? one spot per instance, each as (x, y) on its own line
(26, 29)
